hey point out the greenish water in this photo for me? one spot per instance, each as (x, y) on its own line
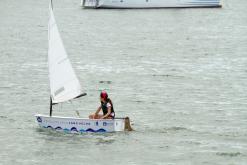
(179, 74)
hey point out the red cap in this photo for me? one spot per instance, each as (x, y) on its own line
(104, 95)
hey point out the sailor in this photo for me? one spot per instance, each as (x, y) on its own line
(106, 106)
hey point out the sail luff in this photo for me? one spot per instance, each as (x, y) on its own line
(64, 84)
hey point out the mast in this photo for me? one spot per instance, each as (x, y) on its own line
(50, 96)
(50, 107)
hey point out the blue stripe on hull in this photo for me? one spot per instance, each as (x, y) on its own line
(74, 130)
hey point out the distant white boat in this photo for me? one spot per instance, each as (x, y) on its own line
(65, 86)
(149, 3)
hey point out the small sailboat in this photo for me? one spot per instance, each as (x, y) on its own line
(65, 86)
(149, 3)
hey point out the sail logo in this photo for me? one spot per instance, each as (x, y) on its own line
(39, 119)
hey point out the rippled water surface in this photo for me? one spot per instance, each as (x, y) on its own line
(179, 74)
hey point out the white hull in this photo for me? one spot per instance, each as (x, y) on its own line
(149, 3)
(80, 125)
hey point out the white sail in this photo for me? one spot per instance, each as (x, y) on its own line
(64, 84)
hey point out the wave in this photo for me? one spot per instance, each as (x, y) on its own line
(228, 154)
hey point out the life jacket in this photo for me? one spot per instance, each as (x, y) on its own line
(105, 109)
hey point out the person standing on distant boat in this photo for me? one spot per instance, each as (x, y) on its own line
(106, 107)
